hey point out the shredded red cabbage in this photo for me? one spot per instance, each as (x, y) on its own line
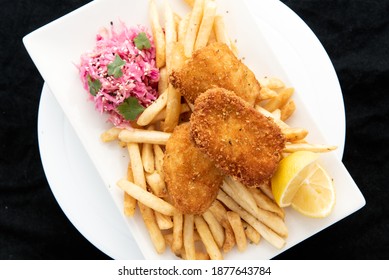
(140, 74)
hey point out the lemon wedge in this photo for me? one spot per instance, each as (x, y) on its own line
(301, 182)
(316, 195)
(291, 172)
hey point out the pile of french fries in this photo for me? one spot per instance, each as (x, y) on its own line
(239, 215)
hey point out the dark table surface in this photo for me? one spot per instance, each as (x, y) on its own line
(355, 33)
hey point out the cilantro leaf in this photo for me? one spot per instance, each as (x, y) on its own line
(114, 68)
(94, 85)
(142, 42)
(130, 108)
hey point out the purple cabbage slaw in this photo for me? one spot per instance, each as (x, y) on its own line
(140, 74)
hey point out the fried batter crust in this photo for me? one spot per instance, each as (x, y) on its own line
(215, 66)
(241, 141)
(192, 179)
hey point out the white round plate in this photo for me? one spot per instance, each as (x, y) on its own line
(74, 180)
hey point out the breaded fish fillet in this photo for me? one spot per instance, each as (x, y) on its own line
(241, 141)
(215, 66)
(192, 179)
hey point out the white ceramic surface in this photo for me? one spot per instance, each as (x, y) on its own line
(110, 162)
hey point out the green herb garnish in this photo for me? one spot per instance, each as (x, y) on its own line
(94, 85)
(115, 67)
(142, 42)
(130, 108)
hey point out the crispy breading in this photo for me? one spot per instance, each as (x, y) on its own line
(241, 141)
(192, 179)
(215, 66)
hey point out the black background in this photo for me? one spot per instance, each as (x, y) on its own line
(355, 34)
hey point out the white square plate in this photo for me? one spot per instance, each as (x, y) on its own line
(56, 48)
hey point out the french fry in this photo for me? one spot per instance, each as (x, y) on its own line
(147, 198)
(150, 112)
(234, 47)
(316, 148)
(168, 239)
(202, 255)
(268, 114)
(280, 100)
(272, 221)
(129, 206)
(158, 156)
(140, 184)
(111, 134)
(155, 233)
(218, 210)
(193, 27)
(206, 25)
(242, 193)
(251, 233)
(173, 109)
(229, 240)
(212, 36)
(144, 136)
(182, 28)
(156, 183)
(207, 238)
(196, 236)
(189, 244)
(237, 227)
(170, 35)
(136, 165)
(265, 203)
(191, 106)
(122, 144)
(269, 235)
(177, 19)
(220, 31)
(190, 2)
(276, 114)
(267, 93)
(162, 115)
(163, 81)
(129, 202)
(158, 35)
(245, 200)
(266, 189)
(178, 220)
(287, 110)
(250, 206)
(271, 82)
(148, 157)
(294, 134)
(164, 222)
(173, 106)
(291, 134)
(178, 56)
(130, 174)
(220, 213)
(215, 227)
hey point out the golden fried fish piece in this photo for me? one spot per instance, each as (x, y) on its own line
(241, 141)
(192, 179)
(215, 66)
